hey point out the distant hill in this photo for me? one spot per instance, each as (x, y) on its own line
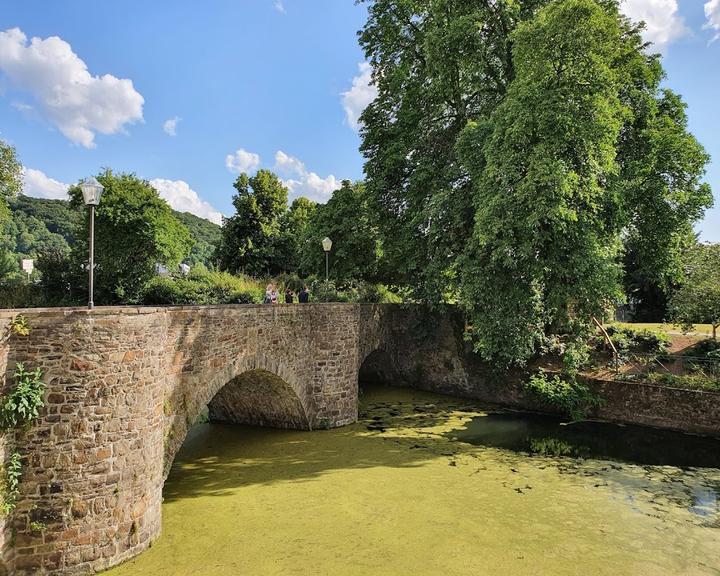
(38, 224)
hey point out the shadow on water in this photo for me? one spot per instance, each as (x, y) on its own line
(545, 435)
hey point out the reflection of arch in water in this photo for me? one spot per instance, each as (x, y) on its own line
(377, 368)
(260, 398)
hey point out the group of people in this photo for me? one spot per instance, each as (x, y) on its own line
(272, 296)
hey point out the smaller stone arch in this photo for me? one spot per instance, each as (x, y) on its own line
(377, 367)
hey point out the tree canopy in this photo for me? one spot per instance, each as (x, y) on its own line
(346, 220)
(252, 237)
(698, 298)
(135, 230)
(522, 160)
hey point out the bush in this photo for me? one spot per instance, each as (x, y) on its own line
(684, 381)
(629, 340)
(354, 292)
(571, 397)
(707, 349)
(202, 287)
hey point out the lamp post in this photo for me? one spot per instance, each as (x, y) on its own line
(91, 191)
(327, 246)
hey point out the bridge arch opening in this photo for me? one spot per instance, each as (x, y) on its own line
(377, 368)
(260, 398)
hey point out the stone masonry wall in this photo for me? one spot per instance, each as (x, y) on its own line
(125, 384)
(425, 349)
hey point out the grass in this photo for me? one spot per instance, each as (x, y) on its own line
(700, 329)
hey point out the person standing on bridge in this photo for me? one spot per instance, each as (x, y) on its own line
(268, 294)
(289, 296)
(274, 296)
(304, 295)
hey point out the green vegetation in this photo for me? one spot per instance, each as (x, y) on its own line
(253, 239)
(524, 161)
(202, 287)
(698, 298)
(19, 325)
(23, 402)
(205, 236)
(627, 339)
(10, 483)
(135, 230)
(572, 398)
(357, 248)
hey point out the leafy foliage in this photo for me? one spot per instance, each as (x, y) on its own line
(346, 220)
(528, 142)
(19, 325)
(698, 298)
(202, 287)
(252, 238)
(543, 252)
(205, 235)
(22, 404)
(631, 340)
(10, 178)
(134, 231)
(10, 483)
(573, 398)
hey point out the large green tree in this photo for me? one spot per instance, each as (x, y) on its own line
(437, 64)
(449, 82)
(294, 233)
(135, 230)
(544, 248)
(346, 220)
(252, 237)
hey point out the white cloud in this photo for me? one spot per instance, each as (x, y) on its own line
(304, 183)
(38, 185)
(78, 103)
(170, 126)
(288, 164)
(356, 99)
(712, 14)
(663, 23)
(182, 198)
(242, 161)
(279, 6)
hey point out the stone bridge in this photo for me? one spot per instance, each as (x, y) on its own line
(125, 384)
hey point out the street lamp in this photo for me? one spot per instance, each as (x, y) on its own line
(91, 191)
(327, 246)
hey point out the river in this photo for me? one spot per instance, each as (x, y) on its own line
(427, 485)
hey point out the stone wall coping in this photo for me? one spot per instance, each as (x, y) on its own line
(109, 310)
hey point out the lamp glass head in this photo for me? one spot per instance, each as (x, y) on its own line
(327, 244)
(92, 191)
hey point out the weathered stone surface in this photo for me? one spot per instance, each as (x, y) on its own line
(125, 384)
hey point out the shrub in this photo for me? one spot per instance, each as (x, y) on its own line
(202, 287)
(571, 397)
(629, 340)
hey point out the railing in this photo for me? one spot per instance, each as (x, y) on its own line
(668, 369)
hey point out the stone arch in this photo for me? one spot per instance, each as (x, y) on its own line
(377, 367)
(260, 398)
(278, 381)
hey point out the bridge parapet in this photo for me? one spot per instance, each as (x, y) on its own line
(123, 387)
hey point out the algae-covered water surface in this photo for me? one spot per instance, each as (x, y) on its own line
(427, 485)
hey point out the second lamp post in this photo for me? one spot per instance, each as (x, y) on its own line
(91, 191)
(327, 246)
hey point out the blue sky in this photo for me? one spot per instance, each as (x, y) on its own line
(186, 94)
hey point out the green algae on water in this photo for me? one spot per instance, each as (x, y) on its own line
(396, 494)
